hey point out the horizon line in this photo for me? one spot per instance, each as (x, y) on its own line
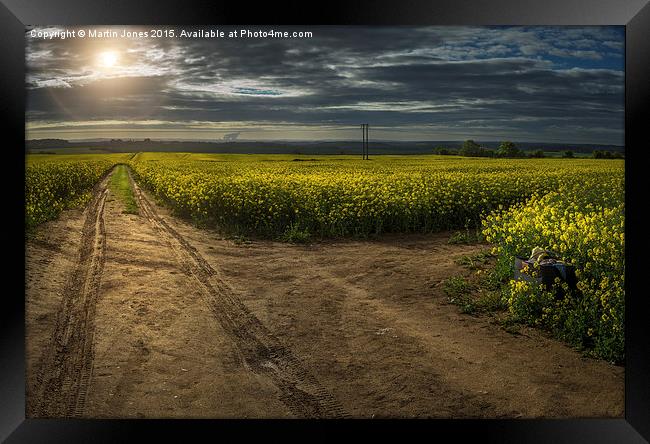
(130, 139)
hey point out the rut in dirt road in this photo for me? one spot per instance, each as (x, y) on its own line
(262, 352)
(66, 366)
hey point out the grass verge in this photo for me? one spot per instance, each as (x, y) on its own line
(481, 291)
(120, 186)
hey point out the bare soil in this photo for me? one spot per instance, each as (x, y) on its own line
(147, 316)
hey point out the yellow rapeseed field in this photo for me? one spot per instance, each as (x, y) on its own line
(574, 207)
(342, 195)
(56, 182)
(584, 223)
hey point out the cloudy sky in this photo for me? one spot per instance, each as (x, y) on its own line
(542, 84)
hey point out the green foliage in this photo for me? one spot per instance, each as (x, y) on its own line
(508, 149)
(568, 154)
(473, 298)
(474, 262)
(240, 239)
(490, 301)
(470, 149)
(606, 155)
(296, 235)
(473, 149)
(468, 236)
(442, 151)
(459, 292)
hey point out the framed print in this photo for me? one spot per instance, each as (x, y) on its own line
(420, 216)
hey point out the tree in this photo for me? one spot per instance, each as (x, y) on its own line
(508, 149)
(484, 152)
(441, 150)
(470, 149)
(606, 155)
(568, 154)
(537, 154)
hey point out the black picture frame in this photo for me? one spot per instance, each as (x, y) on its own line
(634, 14)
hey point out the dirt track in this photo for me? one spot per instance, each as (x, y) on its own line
(147, 316)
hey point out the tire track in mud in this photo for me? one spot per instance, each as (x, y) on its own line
(66, 367)
(262, 352)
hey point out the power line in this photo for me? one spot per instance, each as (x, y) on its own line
(364, 143)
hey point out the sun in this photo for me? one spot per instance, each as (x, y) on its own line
(108, 59)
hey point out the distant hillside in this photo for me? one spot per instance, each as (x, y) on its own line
(289, 147)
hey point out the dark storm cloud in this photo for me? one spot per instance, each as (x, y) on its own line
(560, 84)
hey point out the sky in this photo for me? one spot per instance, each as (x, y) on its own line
(527, 84)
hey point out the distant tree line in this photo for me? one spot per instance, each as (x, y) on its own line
(472, 149)
(597, 154)
(508, 149)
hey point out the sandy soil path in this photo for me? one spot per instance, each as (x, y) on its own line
(147, 316)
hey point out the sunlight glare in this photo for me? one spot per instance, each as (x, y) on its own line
(108, 58)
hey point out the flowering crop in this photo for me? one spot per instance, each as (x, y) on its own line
(575, 208)
(584, 224)
(335, 196)
(56, 182)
